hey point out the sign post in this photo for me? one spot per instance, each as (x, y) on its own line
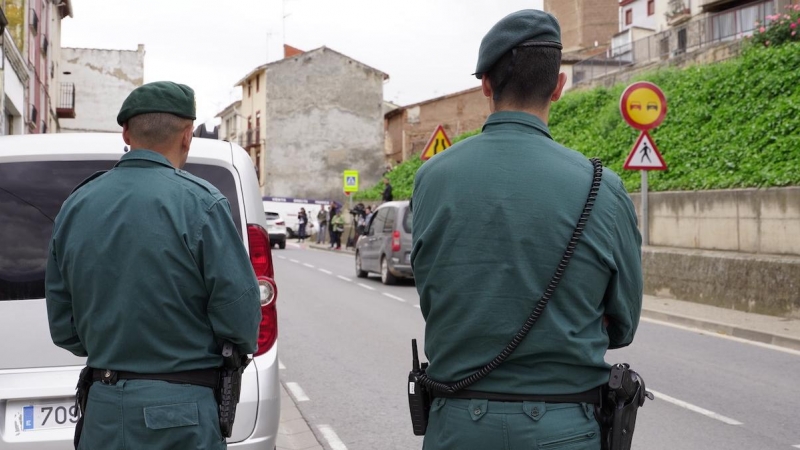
(644, 106)
(350, 184)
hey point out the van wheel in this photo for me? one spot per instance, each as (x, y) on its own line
(360, 273)
(282, 244)
(386, 276)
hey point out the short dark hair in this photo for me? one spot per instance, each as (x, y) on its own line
(531, 80)
(152, 129)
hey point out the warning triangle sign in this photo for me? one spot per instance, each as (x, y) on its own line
(438, 143)
(645, 155)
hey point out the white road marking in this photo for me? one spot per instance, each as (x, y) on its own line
(366, 287)
(394, 297)
(697, 409)
(280, 365)
(416, 306)
(343, 278)
(295, 261)
(297, 392)
(328, 272)
(723, 336)
(308, 265)
(333, 440)
(281, 257)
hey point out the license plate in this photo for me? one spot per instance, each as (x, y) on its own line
(47, 415)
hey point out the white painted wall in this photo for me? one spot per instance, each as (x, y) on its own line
(103, 79)
(640, 17)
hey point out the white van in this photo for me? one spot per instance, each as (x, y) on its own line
(37, 173)
(288, 208)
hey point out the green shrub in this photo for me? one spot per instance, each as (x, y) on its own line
(729, 125)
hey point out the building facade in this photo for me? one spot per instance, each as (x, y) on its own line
(323, 115)
(409, 128)
(34, 26)
(94, 83)
(584, 23)
(231, 122)
(13, 82)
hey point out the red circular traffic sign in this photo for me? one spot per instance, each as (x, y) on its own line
(643, 105)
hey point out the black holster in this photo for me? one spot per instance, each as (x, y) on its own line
(230, 386)
(81, 399)
(622, 397)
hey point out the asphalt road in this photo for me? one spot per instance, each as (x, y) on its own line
(345, 345)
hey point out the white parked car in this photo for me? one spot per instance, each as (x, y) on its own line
(276, 226)
(37, 379)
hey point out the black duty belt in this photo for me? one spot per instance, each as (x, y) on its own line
(592, 396)
(204, 377)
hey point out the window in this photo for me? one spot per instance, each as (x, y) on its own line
(651, 7)
(31, 194)
(249, 88)
(628, 17)
(258, 119)
(388, 226)
(407, 219)
(249, 122)
(258, 82)
(378, 221)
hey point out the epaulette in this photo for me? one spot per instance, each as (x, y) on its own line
(86, 181)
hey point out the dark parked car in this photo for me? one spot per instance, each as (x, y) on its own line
(385, 246)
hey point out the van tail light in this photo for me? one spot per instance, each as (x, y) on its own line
(396, 241)
(261, 258)
(281, 223)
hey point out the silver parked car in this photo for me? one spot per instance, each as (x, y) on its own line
(385, 246)
(37, 379)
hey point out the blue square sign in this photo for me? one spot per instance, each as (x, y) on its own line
(27, 417)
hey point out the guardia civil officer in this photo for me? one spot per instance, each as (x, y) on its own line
(492, 217)
(146, 276)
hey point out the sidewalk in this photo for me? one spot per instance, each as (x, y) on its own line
(327, 247)
(773, 330)
(293, 431)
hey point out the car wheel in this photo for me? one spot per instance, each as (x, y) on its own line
(386, 276)
(359, 272)
(282, 244)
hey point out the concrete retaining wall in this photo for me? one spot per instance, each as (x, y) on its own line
(763, 284)
(761, 221)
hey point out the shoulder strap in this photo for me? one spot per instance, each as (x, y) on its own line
(537, 311)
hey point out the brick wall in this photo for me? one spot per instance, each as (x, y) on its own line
(585, 21)
(457, 113)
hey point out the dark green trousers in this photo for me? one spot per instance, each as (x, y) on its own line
(152, 415)
(457, 424)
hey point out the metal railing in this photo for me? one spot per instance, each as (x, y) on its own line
(65, 108)
(690, 36)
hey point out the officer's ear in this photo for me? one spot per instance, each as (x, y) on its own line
(562, 81)
(186, 139)
(126, 133)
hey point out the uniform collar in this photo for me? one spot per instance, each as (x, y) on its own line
(145, 155)
(516, 120)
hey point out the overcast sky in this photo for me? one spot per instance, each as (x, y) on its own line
(428, 47)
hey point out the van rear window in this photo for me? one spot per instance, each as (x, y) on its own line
(31, 194)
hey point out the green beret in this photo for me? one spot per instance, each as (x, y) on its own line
(526, 28)
(159, 97)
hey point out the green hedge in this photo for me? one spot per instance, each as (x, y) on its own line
(733, 124)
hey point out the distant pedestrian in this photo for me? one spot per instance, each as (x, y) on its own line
(387, 190)
(302, 223)
(322, 218)
(331, 215)
(338, 229)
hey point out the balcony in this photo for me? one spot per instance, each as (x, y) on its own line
(677, 13)
(66, 101)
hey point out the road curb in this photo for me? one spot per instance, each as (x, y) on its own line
(328, 249)
(725, 329)
(294, 431)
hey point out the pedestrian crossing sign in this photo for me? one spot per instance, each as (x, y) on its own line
(438, 143)
(350, 178)
(645, 155)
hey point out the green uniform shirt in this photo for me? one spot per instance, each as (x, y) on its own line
(147, 272)
(492, 218)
